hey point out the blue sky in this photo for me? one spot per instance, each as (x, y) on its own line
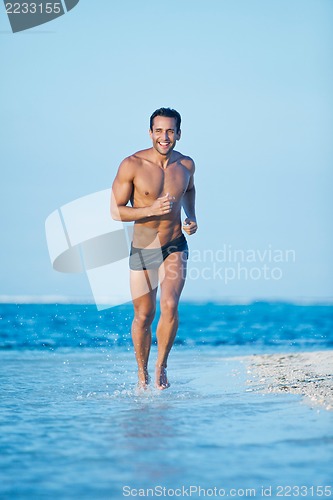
(253, 81)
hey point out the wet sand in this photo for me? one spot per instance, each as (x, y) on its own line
(308, 374)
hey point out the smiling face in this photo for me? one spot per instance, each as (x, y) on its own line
(164, 134)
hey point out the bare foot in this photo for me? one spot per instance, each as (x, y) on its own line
(143, 379)
(161, 378)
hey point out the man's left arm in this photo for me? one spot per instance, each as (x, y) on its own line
(190, 223)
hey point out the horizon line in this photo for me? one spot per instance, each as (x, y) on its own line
(231, 300)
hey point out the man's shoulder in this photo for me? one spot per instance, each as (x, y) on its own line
(136, 159)
(185, 160)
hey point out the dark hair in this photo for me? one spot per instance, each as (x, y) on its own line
(169, 113)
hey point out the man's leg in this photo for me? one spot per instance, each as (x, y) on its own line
(171, 287)
(144, 302)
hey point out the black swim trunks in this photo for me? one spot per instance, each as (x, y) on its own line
(142, 259)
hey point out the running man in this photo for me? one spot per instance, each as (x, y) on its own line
(157, 182)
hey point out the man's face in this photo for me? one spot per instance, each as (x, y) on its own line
(164, 134)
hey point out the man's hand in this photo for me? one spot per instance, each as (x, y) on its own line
(190, 226)
(162, 206)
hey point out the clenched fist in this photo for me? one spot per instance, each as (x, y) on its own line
(163, 205)
(190, 226)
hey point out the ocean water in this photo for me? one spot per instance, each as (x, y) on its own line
(73, 425)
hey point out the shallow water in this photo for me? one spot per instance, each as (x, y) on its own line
(74, 426)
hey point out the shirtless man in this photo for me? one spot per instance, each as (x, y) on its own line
(157, 182)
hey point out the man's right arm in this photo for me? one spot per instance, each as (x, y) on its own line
(121, 193)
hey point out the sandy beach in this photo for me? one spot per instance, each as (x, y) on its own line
(308, 374)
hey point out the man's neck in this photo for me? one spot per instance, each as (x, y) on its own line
(162, 161)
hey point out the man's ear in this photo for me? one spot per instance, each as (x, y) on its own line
(150, 133)
(179, 133)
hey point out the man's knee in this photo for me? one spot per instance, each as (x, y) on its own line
(144, 318)
(169, 305)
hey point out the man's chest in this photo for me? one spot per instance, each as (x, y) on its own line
(156, 182)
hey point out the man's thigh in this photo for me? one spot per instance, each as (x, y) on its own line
(173, 275)
(143, 285)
